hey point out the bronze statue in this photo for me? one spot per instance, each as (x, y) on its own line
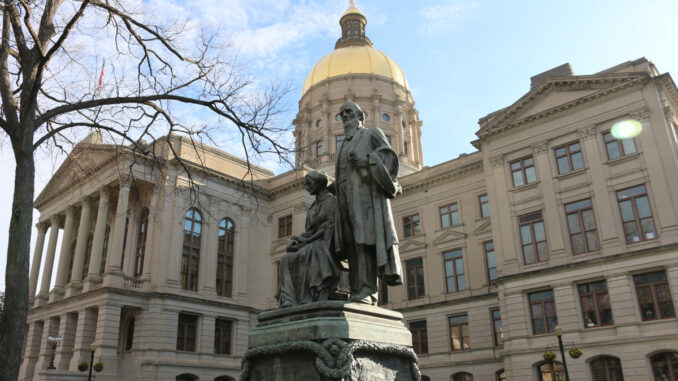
(308, 272)
(366, 171)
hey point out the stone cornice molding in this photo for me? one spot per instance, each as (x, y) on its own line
(445, 176)
(503, 122)
(669, 113)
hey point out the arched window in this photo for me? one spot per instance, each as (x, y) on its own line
(551, 371)
(606, 368)
(187, 377)
(142, 233)
(104, 250)
(224, 378)
(129, 335)
(88, 254)
(190, 254)
(225, 251)
(500, 375)
(665, 366)
(462, 376)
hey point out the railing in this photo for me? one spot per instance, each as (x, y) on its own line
(132, 282)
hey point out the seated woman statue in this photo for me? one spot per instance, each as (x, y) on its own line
(308, 272)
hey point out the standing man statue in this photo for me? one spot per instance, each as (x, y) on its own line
(366, 172)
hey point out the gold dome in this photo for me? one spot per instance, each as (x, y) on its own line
(354, 60)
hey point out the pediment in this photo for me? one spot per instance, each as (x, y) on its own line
(485, 227)
(80, 163)
(555, 94)
(411, 244)
(448, 236)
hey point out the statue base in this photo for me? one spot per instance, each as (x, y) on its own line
(330, 340)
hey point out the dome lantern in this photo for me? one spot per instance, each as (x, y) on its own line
(353, 28)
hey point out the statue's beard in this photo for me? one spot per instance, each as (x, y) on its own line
(351, 124)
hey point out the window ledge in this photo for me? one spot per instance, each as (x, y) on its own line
(571, 173)
(525, 187)
(622, 159)
(451, 227)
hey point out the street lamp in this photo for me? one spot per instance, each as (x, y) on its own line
(559, 332)
(54, 343)
(92, 348)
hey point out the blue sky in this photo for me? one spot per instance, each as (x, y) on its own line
(462, 59)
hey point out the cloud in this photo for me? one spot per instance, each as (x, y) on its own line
(443, 18)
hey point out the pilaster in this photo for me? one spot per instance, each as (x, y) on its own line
(84, 336)
(34, 338)
(80, 247)
(67, 330)
(106, 339)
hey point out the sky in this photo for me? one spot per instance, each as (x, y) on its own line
(462, 59)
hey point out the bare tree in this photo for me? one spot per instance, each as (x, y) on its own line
(161, 78)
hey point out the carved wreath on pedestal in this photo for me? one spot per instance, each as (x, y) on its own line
(334, 356)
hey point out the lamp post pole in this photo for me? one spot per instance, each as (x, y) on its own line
(92, 348)
(559, 333)
(54, 343)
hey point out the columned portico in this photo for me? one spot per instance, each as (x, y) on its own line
(64, 254)
(80, 247)
(37, 258)
(93, 273)
(49, 260)
(114, 274)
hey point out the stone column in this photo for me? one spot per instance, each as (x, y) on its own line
(51, 328)
(34, 337)
(64, 352)
(64, 254)
(81, 243)
(37, 258)
(106, 339)
(117, 236)
(84, 336)
(49, 260)
(152, 226)
(98, 240)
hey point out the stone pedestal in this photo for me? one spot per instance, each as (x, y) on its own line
(63, 375)
(331, 340)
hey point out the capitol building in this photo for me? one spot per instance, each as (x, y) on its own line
(555, 227)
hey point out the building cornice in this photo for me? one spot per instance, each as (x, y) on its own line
(454, 172)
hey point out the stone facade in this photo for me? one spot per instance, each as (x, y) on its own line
(152, 306)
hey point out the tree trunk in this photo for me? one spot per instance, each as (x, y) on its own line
(13, 321)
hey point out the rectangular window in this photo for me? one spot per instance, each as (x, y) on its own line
(222, 336)
(459, 336)
(454, 270)
(339, 139)
(491, 260)
(411, 225)
(523, 172)
(405, 148)
(654, 296)
(618, 147)
(636, 214)
(569, 158)
(595, 304)
(543, 312)
(285, 226)
(319, 148)
(388, 138)
(419, 337)
(484, 202)
(582, 226)
(496, 327)
(382, 297)
(186, 332)
(533, 238)
(415, 279)
(449, 215)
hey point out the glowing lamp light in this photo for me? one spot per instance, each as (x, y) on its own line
(626, 129)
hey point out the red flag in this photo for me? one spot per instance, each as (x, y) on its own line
(101, 77)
